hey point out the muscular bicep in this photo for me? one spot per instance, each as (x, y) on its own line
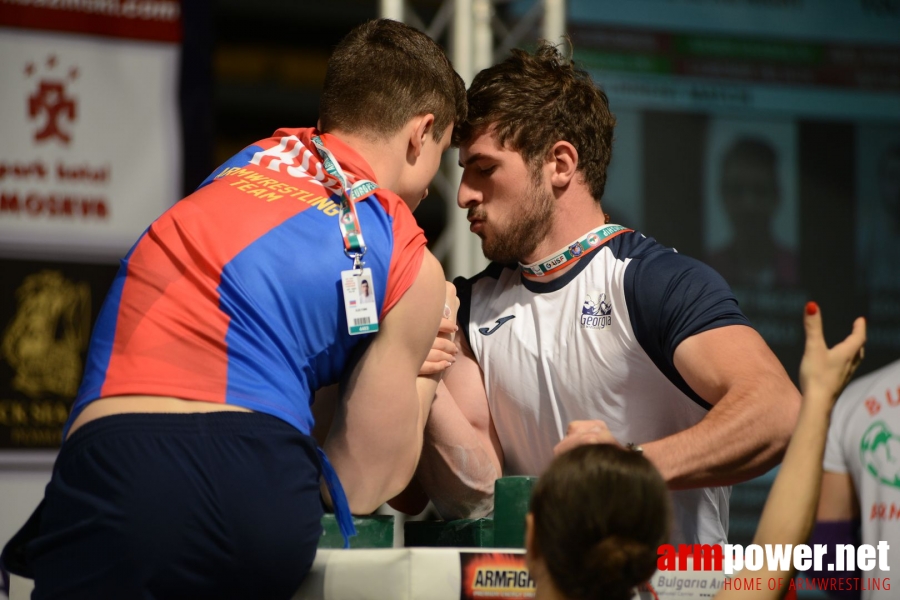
(464, 382)
(461, 457)
(376, 437)
(405, 335)
(714, 362)
(753, 407)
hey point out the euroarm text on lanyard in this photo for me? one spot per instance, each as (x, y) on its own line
(361, 309)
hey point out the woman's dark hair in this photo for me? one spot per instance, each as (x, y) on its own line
(600, 515)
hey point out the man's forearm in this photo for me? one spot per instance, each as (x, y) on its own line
(376, 437)
(742, 437)
(458, 466)
(426, 388)
(375, 451)
(755, 408)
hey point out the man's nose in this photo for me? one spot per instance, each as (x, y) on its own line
(467, 196)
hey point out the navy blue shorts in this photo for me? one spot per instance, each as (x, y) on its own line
(211, 505)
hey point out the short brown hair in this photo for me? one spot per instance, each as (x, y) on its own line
(384, 73)
(600, 515)
(536, 100)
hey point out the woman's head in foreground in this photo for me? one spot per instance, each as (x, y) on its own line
(598, 516)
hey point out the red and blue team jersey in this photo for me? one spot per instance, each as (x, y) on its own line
(234, 296)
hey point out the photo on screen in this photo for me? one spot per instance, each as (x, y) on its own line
(878, 206)
(750, 202)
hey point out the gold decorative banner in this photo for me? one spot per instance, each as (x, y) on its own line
(47, 311)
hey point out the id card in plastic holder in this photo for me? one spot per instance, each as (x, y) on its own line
(359, 301)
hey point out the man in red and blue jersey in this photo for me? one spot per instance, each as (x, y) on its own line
(188, 469)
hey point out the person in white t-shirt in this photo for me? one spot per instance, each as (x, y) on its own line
(860, 499)
(599, 513)
(585, 332)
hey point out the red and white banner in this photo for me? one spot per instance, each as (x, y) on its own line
(90, 146)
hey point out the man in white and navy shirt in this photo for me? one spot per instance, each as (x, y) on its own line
(586, 332)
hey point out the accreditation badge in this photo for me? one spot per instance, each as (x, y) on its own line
(359, 301)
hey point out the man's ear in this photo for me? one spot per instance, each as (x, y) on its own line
(563, 162)
(423, 125)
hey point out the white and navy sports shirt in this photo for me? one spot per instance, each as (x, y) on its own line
(598, 343)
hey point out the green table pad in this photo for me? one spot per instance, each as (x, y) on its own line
(462, 533)
(512, 497)
(372, 532)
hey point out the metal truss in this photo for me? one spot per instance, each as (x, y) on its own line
(476, 34)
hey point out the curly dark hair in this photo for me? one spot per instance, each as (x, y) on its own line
(600, 515)
(536, 100)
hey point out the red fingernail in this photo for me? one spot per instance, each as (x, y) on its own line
(811, 308)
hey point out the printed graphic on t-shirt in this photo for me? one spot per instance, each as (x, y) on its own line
(595, 311)
(879, 451)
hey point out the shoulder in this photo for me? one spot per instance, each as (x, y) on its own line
(633, 244)
(671, 297)
(491, 274)
(424, 295)
(660, 270)
(645, 255)
(477, 286)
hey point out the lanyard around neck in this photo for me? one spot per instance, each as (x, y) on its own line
(574, 251)
(354, 244)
